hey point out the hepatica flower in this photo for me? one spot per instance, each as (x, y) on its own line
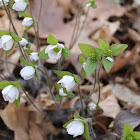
(27, 72)
(54, 51)
(34, 56)
(23, 42)
(6, 42)
(75, 128)
(19, 5)
(5, 2)
(67, 82)
(10, 93)
(27, 21)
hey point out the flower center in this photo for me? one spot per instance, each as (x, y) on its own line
(108, 52)
(56, 49)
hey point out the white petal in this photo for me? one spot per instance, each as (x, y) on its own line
(8, 45)
(23, 42)
(27, 21)
(110, 59)
(61, 92)
(5, 38)
(34, 56)
(6, 89)
(20, 5)
(60, 45)
(12, 93)
(88, 4)
(1, 43)
(84, 65)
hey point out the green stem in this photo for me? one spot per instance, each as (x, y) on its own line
(40, 111)
(59, 64)
(99, 84)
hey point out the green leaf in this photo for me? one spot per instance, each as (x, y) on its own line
(51, 40)
(27, 15)
(127, 131)
(7, 52)
(21, 13)
(15, 37)
(124, 138)
(36, 74)
(17, 102)
(43, 55)
(99, 53)
(66, 52)
(76, 116)
(4, 33)
(26, 1)
(62, 73)
(25, 62)
(58, 86)
(117, 49)
(70, 94)
(28, 45)
(86, 49)
(136, 135)
(90, 67)
(104, 45)
(83, 73)
(77, 80)
(86, 132)
(10, 4)
(28, 51)
(25, 35)
(67, 123)
(58, 97)
(107, 64)
(28, 28)
(82, 59)
(6, 83)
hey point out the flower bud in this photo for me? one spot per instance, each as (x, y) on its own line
(10, 93)
(54, 51)
(62, 93)
(5, 2)
(6, 42)
(27, 72)
(92, 106)
(34, 56)
(67, 82)
(27, 21)
(23, 42)
(19, 5)
(75, 128)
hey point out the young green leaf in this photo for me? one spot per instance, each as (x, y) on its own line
(86, 49)
(58, 97)
(25, 62)
(17, 84)
(27, 15)
(104, 45)
(62, 73)
(86, 132)
(66, 52)
(127, 131)
(124, 138)
(76, 116)
(107, 64)
(6, 83)
(77, 80)
(10, 4)
(70, 94)
(52, 40)
(17, 102)
(90, 67)
(15, 37)
(136, 135)
(117, 49)
(28, 28)
(82, 59)
(43, 55)
(4, 33)
(99, 53)
(67, 123)
(36, 74)
(58, 86)
(21, 13)
(28, 51)
(83, 73)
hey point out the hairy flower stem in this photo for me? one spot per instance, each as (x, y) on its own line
(46, 73)
(10, 19)
(82, 107)
(99, 84)
(40, 111)
(92, 91)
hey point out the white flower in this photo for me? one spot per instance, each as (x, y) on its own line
(110, 59)
(6, 42)
(27, 72)
(75, 128)
(136, 3)
(54, 51)
(84, 65)
(61, 92)
(27, 21)
(19, 5)
(92, 106)
(23, 42)
(10, 93)
(88, 4)
(67, 82)
(34, 56)
(5, 2)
